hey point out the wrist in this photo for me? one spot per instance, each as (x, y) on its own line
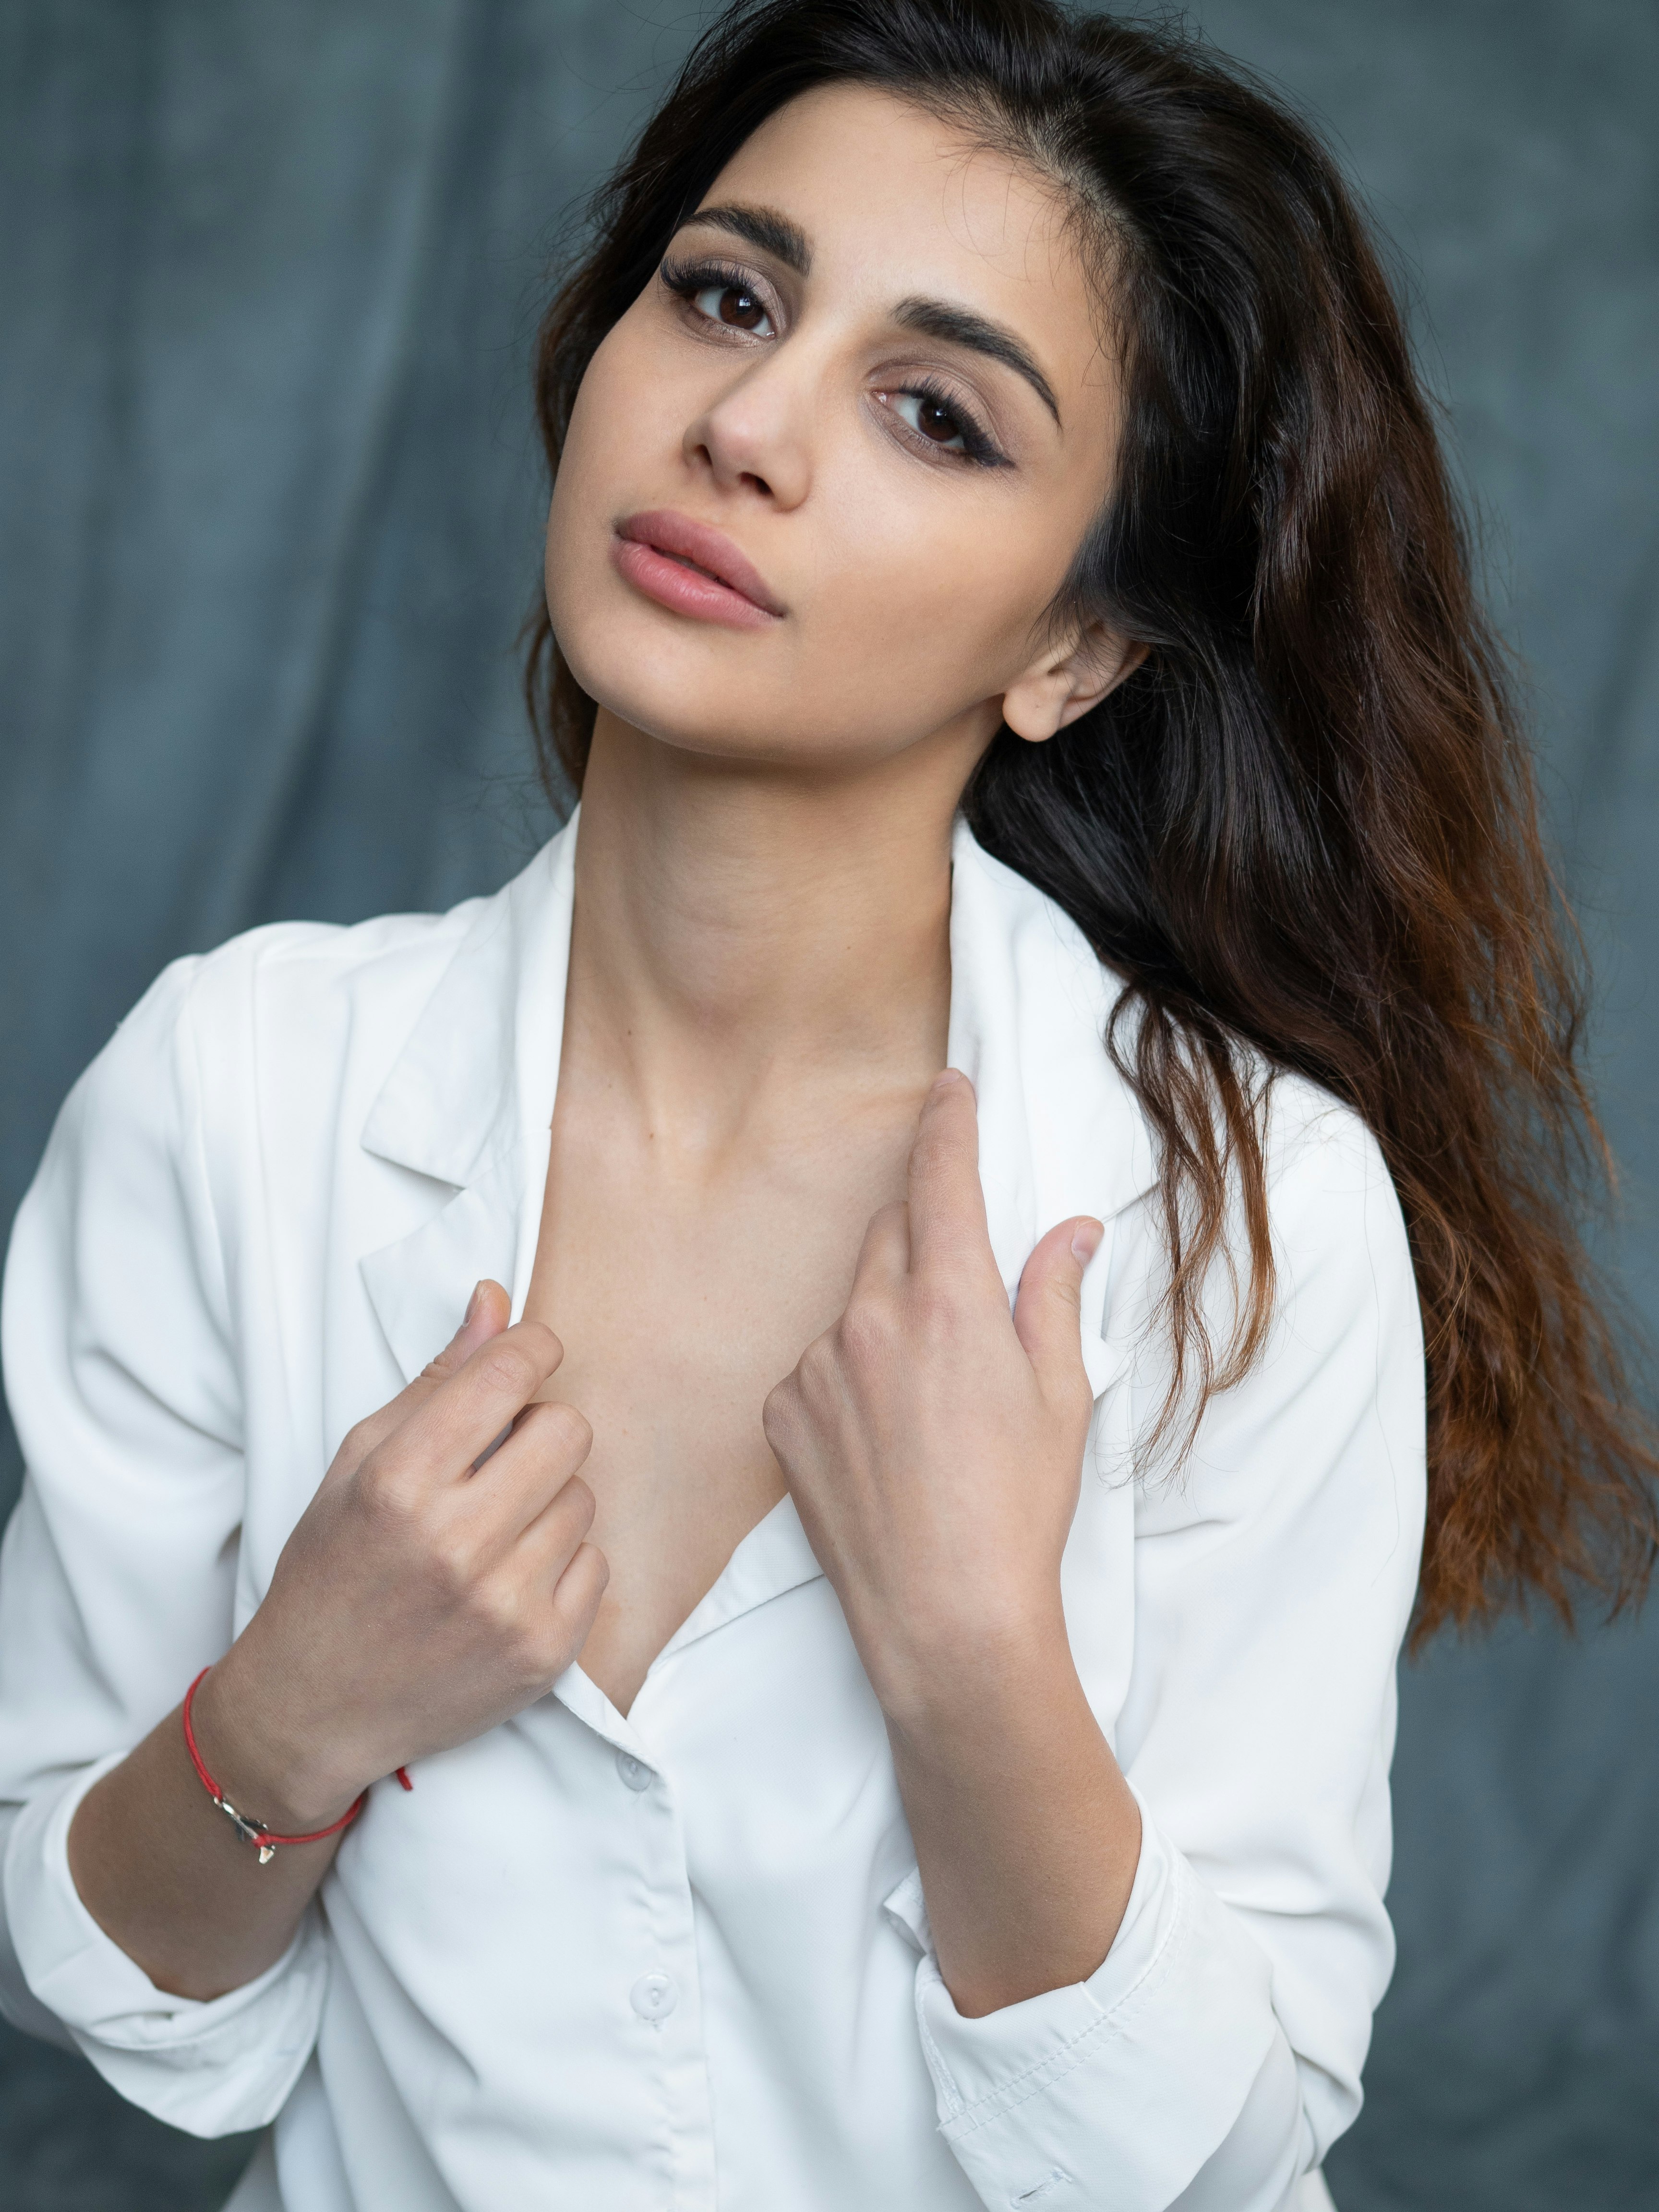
(265, 1765)
(975, 1676)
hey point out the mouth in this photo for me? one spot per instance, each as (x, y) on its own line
(692, 570)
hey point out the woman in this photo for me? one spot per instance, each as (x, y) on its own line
(1005, 616)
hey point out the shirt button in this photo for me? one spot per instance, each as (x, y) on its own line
(653, 1997)
(634, 1771)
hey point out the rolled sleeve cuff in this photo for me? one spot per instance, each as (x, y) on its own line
(1115, 2091)
(212, 2069)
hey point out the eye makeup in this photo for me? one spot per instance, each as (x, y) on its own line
(742, 309)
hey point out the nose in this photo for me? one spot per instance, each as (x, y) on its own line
(753, 436)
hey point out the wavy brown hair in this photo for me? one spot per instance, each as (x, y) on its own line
(1305, 832)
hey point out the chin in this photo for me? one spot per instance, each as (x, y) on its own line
(657, 686)
(728, 695)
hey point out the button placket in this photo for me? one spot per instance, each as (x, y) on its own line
(654, 1995)
(666, 1997)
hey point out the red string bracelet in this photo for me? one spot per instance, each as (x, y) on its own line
(251, 1831)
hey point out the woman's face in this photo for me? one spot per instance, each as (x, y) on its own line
(867, 389)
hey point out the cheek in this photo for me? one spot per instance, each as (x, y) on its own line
(602, 447)
(931, 591)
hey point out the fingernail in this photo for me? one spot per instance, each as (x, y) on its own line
(948, 1076)
(1085, 1240)
(473, 1303)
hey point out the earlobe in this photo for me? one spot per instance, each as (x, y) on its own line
(1060, 688)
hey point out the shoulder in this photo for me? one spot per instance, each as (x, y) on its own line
(285, 1002)
(1326, 1174)
(313, 989)
(1332, 1204)
(1336, 1392)
(292, 1022)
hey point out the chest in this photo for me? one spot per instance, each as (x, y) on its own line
(683, 1287)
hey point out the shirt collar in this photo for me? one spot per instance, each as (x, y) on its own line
(469, 1100)
(482, 1062)
(1060, 1130)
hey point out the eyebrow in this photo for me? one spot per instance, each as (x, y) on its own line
(952, 326)
(770, 232)
(765, 230)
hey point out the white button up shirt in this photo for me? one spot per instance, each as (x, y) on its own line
(681, 1960)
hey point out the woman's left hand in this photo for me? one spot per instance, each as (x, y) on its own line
(934, 1443)
(935, 1446)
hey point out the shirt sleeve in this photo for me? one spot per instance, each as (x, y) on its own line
(1215, 2056)
(117, 1573)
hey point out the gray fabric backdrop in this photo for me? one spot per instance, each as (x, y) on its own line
(270, 510)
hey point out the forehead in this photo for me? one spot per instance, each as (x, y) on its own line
(895, 202)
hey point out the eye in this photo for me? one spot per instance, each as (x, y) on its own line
(936, 419)
(932, 418)
(717, 294)
(733, 305)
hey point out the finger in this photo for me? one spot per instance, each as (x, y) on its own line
(576, 1597)
(1050, 1297)
(550, 1543)
(884, 1254)
(486, 1315)
(948, 1228)
(543, 1451)
(555, 1601)
(488, 1312)
(467, 1410)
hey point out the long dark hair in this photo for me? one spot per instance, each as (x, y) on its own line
(1305, 832)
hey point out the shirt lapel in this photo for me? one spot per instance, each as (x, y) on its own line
(1060, 1132)
(469, 1104)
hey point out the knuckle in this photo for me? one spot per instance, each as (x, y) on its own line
(497, 1604)
(780, 1415)
(566, 1430)
(868, 1332)
(584, 1580)
(358, 1442)
(507, 1368)
(579, 1502)
(386, 1491)
(452, 1568)
(821, 1361)
(541, 1344)
(561, 1622)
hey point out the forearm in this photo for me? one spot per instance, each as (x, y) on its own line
(165, 1875)
(1027, 1836)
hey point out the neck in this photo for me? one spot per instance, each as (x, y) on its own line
(741, 932)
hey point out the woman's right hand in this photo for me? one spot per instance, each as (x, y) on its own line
(423, 1597)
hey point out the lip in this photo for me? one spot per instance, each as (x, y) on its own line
(651, 552)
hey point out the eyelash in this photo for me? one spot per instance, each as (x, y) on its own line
(977, 449)
(685, 279)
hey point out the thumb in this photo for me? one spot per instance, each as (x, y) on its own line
(1050, 1296)
(488, 1311)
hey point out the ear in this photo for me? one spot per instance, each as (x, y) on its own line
(1067, 679)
